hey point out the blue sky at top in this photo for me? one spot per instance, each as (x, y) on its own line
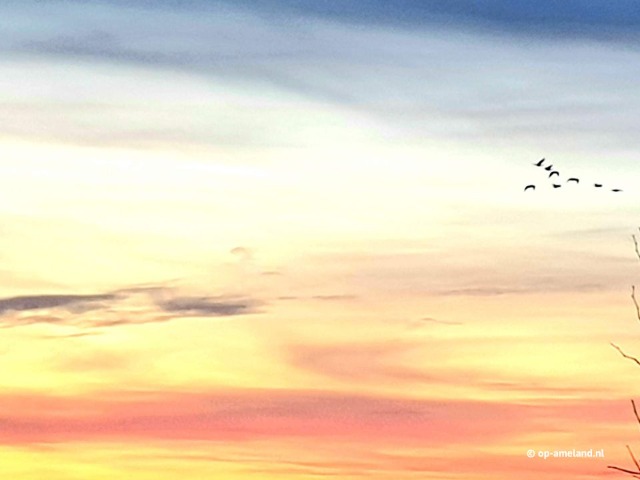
(596, 18)
(538, 76)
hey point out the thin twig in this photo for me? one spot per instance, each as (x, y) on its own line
(624, 470)
(633, 457)
(635, 243)
(635, 301)
(635, 412)
(624, 354)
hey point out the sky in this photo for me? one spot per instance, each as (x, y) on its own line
(290, 239)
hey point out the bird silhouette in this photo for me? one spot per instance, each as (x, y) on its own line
(552, 173)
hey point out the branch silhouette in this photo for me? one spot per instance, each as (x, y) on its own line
(633, 473)
(624, 354)
(635, 301)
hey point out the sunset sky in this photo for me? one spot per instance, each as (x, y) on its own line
(288, 239)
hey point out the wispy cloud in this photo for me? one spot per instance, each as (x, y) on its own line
(438, 321)
(362, 362)
(257, 43)
(531, 289)
(335, 297)
(585, 18)
(483, 291)
(466, 272)
(72, 303)
(338, 296)
(99, 44)
(235, 414)
(126, 306)
(207, 306)
(592, 18)
(243, 254)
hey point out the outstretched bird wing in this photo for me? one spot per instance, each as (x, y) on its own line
(539, 164)
(573, 180)
(555, 185)
(533, 187)
(555, 172)
(548, 169)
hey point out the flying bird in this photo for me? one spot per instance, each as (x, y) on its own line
(552, 172)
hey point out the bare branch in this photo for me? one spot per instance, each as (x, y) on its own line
(634, 474)
(624, 354)
(631, 453)
(635, 301)
(635, 412)
(624, 470)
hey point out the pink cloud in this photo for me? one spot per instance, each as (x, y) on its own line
(253, 413)
(344, 434)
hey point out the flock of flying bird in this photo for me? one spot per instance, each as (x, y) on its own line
(552, 172)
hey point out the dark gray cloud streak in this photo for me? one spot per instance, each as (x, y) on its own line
(206, 306)
(68, 302)
(111, 309)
